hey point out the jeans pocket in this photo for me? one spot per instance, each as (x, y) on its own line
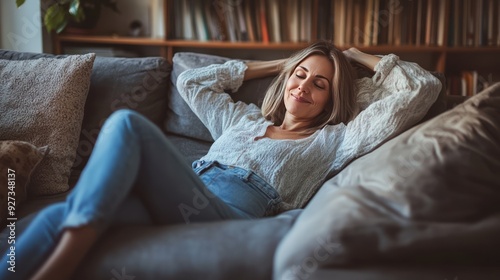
(260, 185)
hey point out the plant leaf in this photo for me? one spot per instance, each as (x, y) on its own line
(20, 2)
(74, 7)
(55, 18)
(61, 28)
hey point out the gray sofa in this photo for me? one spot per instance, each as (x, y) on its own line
(423, 205)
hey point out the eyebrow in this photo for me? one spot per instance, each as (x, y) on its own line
(319, 76)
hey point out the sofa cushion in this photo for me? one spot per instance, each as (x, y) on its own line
(235, 249)
(140, 84)
(181, 119)
(18, 159)
(41, 102)
(430, 194)
(192, 149)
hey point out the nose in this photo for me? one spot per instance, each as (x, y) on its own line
(304, 86)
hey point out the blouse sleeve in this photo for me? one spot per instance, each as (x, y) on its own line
(203, 90)
(395, 98)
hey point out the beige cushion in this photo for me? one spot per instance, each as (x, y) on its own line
(17, 161)
(41, 102)
(430, 194)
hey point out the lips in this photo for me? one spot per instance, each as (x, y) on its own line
(300, 99)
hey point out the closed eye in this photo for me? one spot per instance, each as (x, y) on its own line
(319, 86)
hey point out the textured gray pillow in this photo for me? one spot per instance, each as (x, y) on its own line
(140, 84)
(180, 119)
(41, 102)
(430, 194)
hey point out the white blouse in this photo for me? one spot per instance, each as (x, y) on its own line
(395, 98)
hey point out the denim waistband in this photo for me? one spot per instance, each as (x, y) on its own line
(247, 176)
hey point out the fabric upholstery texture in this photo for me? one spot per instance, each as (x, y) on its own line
(431, 194)
(236, 249)
(140, 84)
(41, 102)
(18, 159)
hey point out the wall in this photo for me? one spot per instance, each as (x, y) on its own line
(21, 29)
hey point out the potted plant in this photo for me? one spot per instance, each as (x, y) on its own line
(80, 14)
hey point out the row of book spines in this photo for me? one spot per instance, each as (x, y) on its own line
(388, 22)
(467, 83)
(260, 21)
(365, 22)
(360, 22)
(474, 23)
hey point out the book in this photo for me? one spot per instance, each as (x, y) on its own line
(478, 24)
(490, 40)
(369, 22)
(249, 17)
(178, 28)
(443, 6)
(231, 22)
(349, 22)
(376, 22)
(157, 19)
(293, 20)
(498, 24)
(305, 20)
(339, 22)
(263, 21)
(242, 26)
(428, 23)
(187, 22)
(200, 21)
(274, 16)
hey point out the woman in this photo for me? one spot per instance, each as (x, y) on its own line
(262, 162)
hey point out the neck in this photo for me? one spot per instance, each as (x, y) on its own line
(292, 124)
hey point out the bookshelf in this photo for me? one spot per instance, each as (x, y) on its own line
(460, 38)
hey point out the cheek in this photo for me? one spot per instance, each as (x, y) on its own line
(323, 98)
(291, 83)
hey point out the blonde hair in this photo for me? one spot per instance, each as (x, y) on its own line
(341, 108)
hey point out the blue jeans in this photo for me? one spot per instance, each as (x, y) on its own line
(136, 176)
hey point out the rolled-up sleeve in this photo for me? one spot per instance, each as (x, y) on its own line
(204, 91)
(395, 98)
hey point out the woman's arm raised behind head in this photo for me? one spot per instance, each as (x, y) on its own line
(362, 58)
(260, 69)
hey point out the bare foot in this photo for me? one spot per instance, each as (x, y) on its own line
(69, 252)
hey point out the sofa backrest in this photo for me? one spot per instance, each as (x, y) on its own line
(182, 121)
(140, 84)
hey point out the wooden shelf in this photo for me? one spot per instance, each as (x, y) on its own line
(474, 50)
(146, 41)
(432, 51)
(117, 40)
